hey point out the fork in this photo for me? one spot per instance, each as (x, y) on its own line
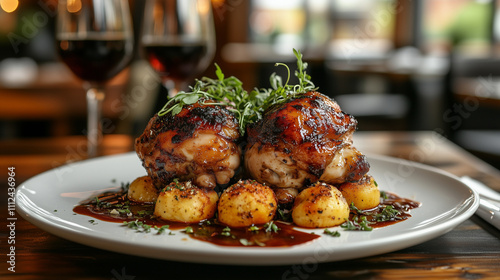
(489, 202)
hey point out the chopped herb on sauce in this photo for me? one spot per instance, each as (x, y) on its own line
(331, 233)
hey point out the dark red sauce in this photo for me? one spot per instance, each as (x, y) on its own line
(115, 207)
(261, 236)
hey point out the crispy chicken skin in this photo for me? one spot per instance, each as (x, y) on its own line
(302, 141)
(200, 144)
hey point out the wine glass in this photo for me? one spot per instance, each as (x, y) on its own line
(95, 40)
(178, 38)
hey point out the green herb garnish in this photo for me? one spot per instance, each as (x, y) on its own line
(284, 215)
(331, 233)
(226, 231)
(189, 230)
(383, 195)
(253, 228)
(124, 187)
(143, 213)
(271, 227)
(138, 226)
(229, 93)
(357, 223)
(178, 185)
(162, 229)
(355, 209)
(387, 214)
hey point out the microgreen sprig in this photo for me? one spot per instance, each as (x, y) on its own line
(271, 227)
(331, 232)
(247, 107)
(389, 213)
(357, 223)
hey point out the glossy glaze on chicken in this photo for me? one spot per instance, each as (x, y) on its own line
(199, 144)
(302, 141)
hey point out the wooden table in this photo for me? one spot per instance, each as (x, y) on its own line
(470, 251)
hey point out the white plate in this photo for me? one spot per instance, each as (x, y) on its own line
(47, 201)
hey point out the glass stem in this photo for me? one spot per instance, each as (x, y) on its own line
(95, 96)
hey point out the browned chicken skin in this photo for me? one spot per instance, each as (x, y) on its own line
(304, 140)
(198, 144)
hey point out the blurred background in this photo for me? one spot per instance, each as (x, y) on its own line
(393, 64)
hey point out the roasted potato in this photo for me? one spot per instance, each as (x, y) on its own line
(186, 203)
(246, 203)
(321, 205)
(142, 190)
(363, 193)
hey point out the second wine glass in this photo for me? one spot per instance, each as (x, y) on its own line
(178, 39)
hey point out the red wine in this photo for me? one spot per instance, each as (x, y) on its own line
(95, 60)
(178, 62)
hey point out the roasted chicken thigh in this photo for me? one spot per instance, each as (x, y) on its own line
(200, 143)
(302, 141)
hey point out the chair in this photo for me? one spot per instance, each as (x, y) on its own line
(473, 109)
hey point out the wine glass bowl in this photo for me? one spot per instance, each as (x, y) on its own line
(178, 39)
(95, 40)
(95, 60)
